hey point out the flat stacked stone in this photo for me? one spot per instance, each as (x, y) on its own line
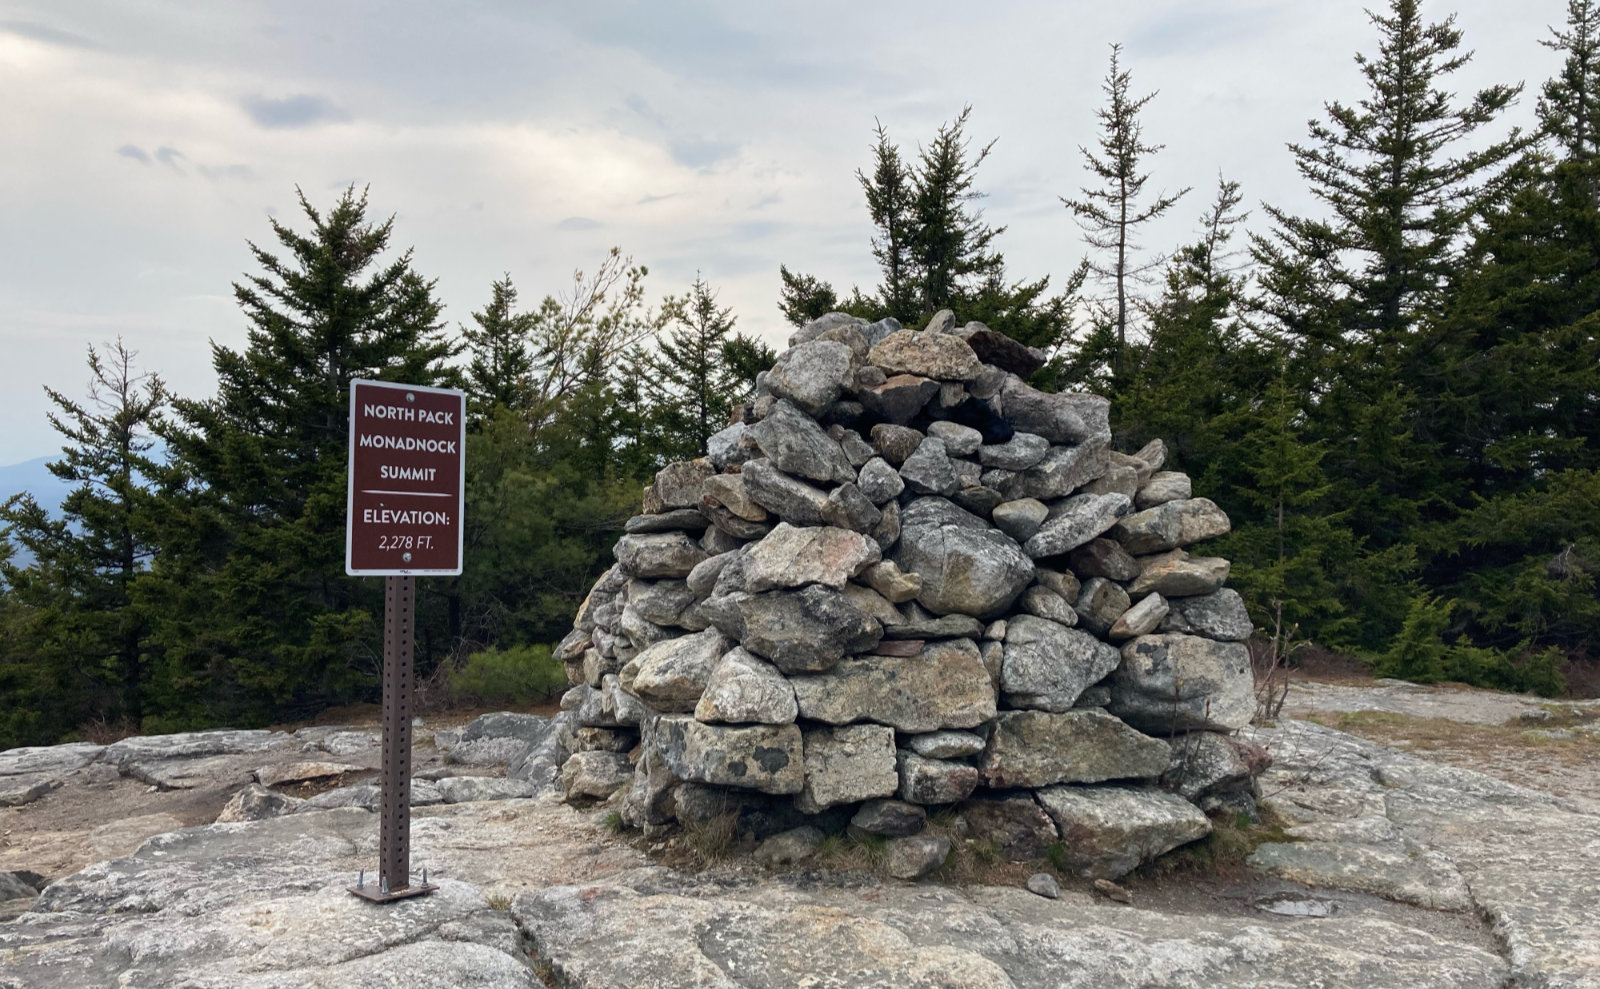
(906, 579)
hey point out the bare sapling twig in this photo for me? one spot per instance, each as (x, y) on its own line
(1272, 666)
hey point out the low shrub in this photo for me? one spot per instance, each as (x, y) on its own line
(518, 676)
(1422, 654)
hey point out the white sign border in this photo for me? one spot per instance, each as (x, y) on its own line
(350, 484)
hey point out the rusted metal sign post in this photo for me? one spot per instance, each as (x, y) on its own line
(407, 474)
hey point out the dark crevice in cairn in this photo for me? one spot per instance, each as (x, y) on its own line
(906, 580)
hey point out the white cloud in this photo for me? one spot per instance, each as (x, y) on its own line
(146, 145)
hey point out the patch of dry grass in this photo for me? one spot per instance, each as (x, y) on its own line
(1441, 734)
(849, 853)
(101, 731)
(712, 841)
(1559, 754)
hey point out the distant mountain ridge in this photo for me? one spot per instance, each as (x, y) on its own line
(33, 476)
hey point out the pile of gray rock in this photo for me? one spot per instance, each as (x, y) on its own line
(905, 580)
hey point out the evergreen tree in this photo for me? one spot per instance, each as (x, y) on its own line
(891, 200)
(1402, 177)
(687, 386)
(934, 251)
(745, 358)
(500, 361)
(951, 253)
(686, 379)
(1403, 172)
(802, 298)
(1112, 214)
(1288, 550)
(33, 710)
(252, 555)
(84, 625)
(1197, 363)
(1514, 395)
(1569, 107)
(541, 521)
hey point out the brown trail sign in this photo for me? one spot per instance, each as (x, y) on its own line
(407, 474)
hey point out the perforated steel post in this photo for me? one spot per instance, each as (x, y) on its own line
(394, 823)
(394, 832)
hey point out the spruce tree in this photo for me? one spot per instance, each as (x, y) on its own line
(85, 623)
(802, 298)
(891, 199)
(500, 363)
(934, 250)
(1569, 106)
(951, 254)
(1112, 213)
(1402, 174)
(687, 379)
(1513, 394)
(746, 357)
(31, 708)
(254, 553)
(1288, 547)
(1198, 362)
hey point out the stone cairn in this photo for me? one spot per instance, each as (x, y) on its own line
(903, 579)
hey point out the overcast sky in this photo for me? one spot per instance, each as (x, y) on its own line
(144, 142)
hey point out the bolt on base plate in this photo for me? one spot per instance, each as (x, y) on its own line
(374, 894)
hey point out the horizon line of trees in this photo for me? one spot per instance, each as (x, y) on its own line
(1397, 401)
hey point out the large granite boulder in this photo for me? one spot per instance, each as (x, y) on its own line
(1220, 615)
(1170, 682)
(940, 356)
(812, 375)
(790, 499)
(745, 689)
(663, 554)
(1108, 831)
(1038, 748)
(965, 565)
(1047, 665)
(671, 675)
(1177, 574)
(935, 781)
(799, 631)
(943, 686)
(767, 758)
(1075, 521)
(793, 443)
(1206, 763)
(791, 556)
(847, 765)
(899, 398)
(1049, 415)
(1171, 525)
